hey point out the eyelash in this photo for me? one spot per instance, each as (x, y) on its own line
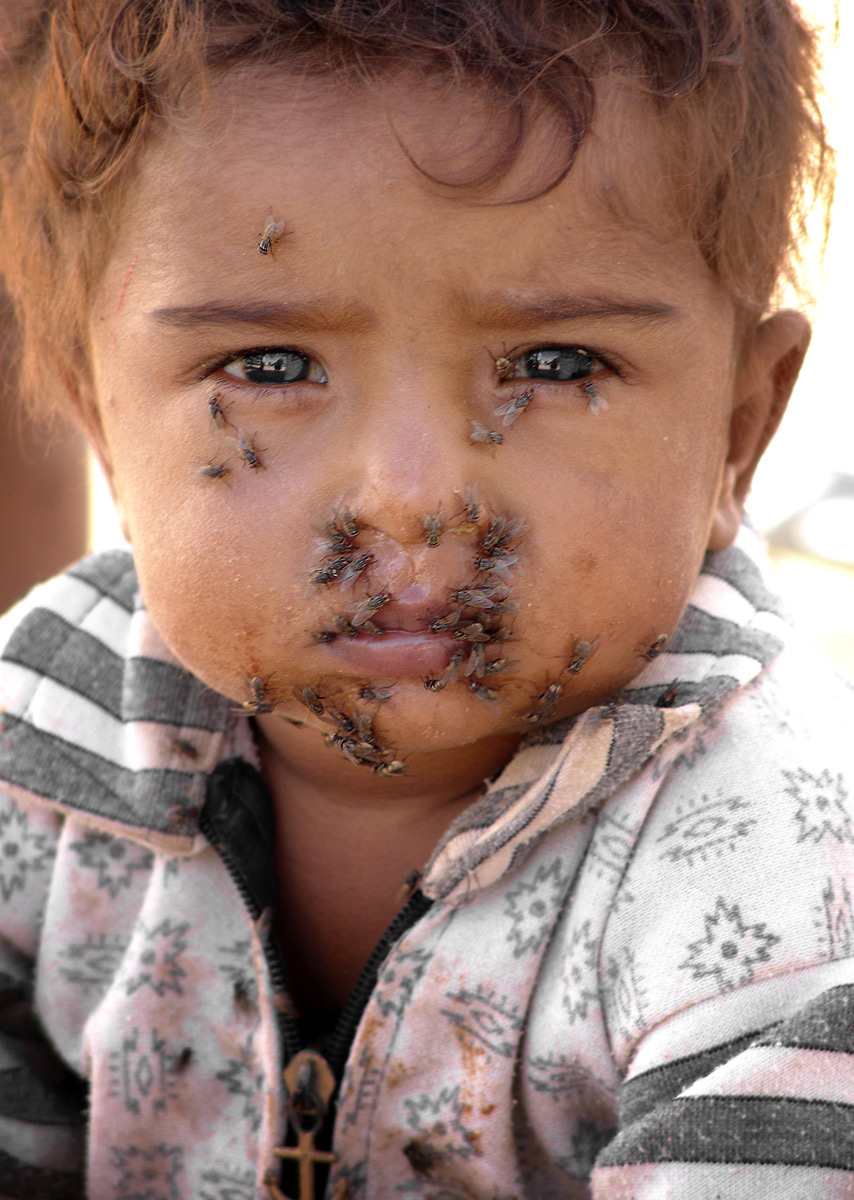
(316, 374)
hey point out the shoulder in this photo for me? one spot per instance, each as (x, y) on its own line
(96, 713)
(96, 596)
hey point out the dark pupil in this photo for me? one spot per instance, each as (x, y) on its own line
(558, 363)
(275, 366)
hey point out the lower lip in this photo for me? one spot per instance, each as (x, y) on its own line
(396, 654)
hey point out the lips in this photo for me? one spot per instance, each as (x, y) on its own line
(400, 652)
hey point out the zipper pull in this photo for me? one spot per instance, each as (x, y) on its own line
(309, 1085)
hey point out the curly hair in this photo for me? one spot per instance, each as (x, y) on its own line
(84, 84)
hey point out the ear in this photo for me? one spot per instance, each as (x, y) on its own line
(766, 375)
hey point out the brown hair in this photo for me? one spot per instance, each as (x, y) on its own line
(85, 82)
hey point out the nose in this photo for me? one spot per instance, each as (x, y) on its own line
(412, 455)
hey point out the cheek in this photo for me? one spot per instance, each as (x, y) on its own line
(617, 562)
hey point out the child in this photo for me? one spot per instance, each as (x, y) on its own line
(424, 349)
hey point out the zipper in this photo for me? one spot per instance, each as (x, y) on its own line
(245, 814)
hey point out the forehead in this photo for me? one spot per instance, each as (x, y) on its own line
(320, 154)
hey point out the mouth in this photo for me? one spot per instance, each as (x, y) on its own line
(402, 650)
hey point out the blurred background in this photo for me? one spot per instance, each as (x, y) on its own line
(803, 498)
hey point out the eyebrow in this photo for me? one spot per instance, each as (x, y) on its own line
(314, 316)
(498, 311)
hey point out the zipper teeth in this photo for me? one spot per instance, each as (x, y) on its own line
(337, 1047)
(291, 1041)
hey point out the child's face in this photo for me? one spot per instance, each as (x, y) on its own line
(390, 299)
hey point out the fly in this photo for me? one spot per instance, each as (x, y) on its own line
(432, 525)
(476, 597)
(500, 532)
(262, 701)
(595, 401)
(499, 563)
(449, 674)
(545, 704)
(480, 433)
(213, 470)
(498, 664)
(330, 571)
(385, 769)
(273, 230)
(472, 632)
(365, 611)
(513, 408)
(309, 697)
(476, 660)
(247, 451)
(353, 570)
(504, 366)
(369, 691)
(442, 624)
(581, 651)
(654, 649)
(216, 412)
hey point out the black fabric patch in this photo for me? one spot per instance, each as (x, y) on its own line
(22, 1181)
(826, 1023)
(640, 1095)
(112, 573)
(26, 1097)
(239, 821)
(739, 1129)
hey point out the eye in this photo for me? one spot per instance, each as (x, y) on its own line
(561, 364)
(274, 367)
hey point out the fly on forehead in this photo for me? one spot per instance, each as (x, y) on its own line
(273, 230)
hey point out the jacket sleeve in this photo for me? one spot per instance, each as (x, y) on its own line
(767, 1117)
(733, 934)
(42, 1103)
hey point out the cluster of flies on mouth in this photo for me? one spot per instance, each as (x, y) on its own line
(479, 615)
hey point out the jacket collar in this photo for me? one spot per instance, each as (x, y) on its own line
(99, 716)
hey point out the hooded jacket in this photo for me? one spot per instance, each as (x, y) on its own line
(627, 970)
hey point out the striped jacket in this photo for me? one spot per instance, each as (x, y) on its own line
(628, 971)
